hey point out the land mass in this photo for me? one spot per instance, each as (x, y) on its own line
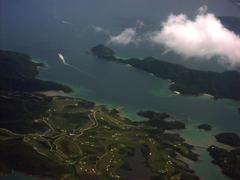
(70, 138)
(161, 120)
(229, 161)
(230, 139)
(18, 73)
(184, 80)
(205, 127)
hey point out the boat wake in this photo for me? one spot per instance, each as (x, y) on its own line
(62, 58)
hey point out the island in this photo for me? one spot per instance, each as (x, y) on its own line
(184, 80)
(61, 137)
(205, 127)
(231, 139)
(229, 161)
(161, 120)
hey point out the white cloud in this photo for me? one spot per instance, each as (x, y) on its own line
(140, 24)
(203, 37)
(99, 29)
(203, 10)
(127, 36)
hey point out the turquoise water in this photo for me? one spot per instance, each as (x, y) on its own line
(18, 176)
(133, 90)
(35, 27)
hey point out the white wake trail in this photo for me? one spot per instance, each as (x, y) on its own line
(61, 57)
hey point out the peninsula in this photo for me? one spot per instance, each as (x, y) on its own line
(185, 80)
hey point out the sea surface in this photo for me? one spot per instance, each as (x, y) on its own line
(45, 28)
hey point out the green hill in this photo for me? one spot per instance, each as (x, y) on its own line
(18, 72)
(187, 81)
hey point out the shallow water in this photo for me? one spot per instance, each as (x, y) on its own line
(18, 176)
(39, 28)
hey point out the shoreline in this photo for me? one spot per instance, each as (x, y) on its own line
(53, 93)
(59, 93)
